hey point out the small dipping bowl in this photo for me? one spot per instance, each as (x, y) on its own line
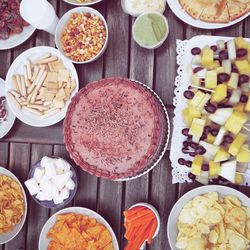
(154, 210)
(150, 28)
(51, 204)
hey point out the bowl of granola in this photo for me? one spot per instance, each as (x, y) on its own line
(82, 35)
(82, 2)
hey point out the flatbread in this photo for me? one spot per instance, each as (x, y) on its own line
(217, 13)
(236, 8)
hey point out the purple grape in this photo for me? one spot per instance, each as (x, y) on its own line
(229, 94)
(191, 176)
(243, 98)
(241, 52)
(223, 55)
(185, 131)
(223, 77)
(188, 94)
(185, 144)
(210, 108)
(196, 51)
(243, 79)
(200, 150)
(224, 105)
(189, 138)
(189, 164)
(207, 130)
(193, 145)
(205, 167)
(182, 161)
(192, 154)
(214, 131)
(197, 69)
(234, 69)
(228, 139)
(214, 47)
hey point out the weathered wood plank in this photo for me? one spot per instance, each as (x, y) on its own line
(19, 160)
(38, 215)
(4, 153)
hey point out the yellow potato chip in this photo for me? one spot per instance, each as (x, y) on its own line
(213, 237)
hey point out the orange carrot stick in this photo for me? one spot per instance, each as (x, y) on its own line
(152, 231)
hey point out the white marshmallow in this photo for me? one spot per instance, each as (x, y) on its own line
(38, 174)
(57, 200)
(45, 160)
(50, 170)
(44, 182)
(32, 186)
(59, 171)
(62, 164)
(41, 196)
(61, 180)
(50, 190)
(64, 193)
(70, 184)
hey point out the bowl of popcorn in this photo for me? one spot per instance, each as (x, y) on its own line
(210, 217)
(82, 2)
(82, 35)
(52, 182)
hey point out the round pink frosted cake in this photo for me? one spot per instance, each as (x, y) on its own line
(112, 129)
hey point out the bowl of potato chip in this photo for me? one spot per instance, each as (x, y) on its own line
(13, 206)
(77, 228)
(82, 2)
(210, 217)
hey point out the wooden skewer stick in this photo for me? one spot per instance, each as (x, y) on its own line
(198, 87)
(246, 128)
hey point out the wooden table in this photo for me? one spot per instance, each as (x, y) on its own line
(24, 145)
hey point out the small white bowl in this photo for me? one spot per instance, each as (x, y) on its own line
(4, 238)
(63, 22)
(155, 46)
(44, 241)
(172, 229)
(74, 2)
(154, 210)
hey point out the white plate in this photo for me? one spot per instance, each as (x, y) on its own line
(5, 126)
(73, 2)
(17, 68)
(184, 57)
(44, 241)
(17, 39)
(172, 229)
(4, 238)
(185, 17)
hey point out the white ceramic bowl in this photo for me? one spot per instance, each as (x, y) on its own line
(64, 20)
(17, 68)
(155, 46)
(4, 238)
(44, 241)
(74, 2)
(172, 230)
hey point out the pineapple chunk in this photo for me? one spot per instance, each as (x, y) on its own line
(196, 165)
(239, 106)
(210, 139)
(247, 107)
(220, 70)
(240, 42)
(221, 155)
(214, 65)
(239, 179)
(196, 81)
(197, 127)
(236, 121)
(198, 97)
(207, 57)
(189, 114)
(233, 81)
(214, 169)
(244, 155)
(204, 101)
(237, 143)
(243, 66)
(211, 79)
(220, 93)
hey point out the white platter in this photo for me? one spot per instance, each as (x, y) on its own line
(74, 2)
(4, 238)
(182, 14)
(44, 241)
(17, 39)
(172, 230)
(17, 68)
(5, 126)
(184, 57)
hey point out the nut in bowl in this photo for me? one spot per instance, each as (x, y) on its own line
(52, 182)
(13, 206)
(210, 217)
(77, 228)
(82, 35)
(39, 85)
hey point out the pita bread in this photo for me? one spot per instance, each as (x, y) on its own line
(216, 11)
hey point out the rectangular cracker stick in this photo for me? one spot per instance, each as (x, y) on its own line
(35, 73)
(47, 103)
(17, 104)
(50, 113)
(22, 99)
(25, 72)
(44, 56)
(50, 67)
(38, 107)
(15, 84)
(18, 78)
(47, 60)
(36, 112)
(24, 91)
(24, 103)
(38, 102)
(27, 83)
(39, 75)
(29, 97)
(29, 74)
(41, 80)
(31, 88)
(34, 95)
(15, 93)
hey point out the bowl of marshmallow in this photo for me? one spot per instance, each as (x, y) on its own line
(52, 182)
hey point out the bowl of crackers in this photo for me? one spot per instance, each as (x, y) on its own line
(82, 2)
(77, 228)
(82, 35)
(39, 86)
(13, 206)
(210, 217)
